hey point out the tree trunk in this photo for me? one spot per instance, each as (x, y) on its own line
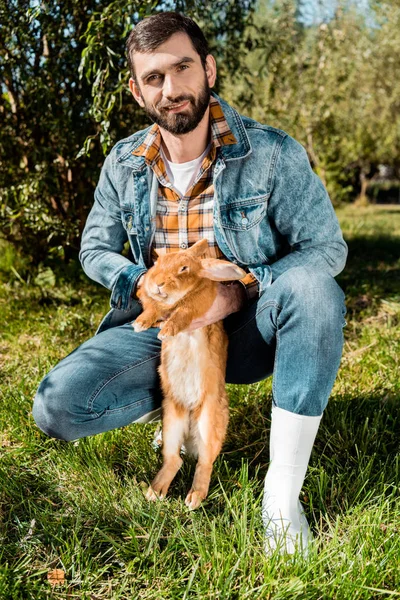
(362, 198)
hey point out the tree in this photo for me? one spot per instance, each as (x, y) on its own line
(44, 190)
(332, 86)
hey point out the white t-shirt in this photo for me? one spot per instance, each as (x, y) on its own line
(182, 175)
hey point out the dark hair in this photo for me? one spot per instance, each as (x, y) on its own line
(153, 31)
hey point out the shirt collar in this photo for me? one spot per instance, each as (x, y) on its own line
(221, 134)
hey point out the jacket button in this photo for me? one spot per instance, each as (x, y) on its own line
(183, 245)
(245, 221)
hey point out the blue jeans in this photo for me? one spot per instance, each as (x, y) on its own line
(293, 331)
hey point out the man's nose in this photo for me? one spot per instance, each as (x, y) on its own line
(171, 87)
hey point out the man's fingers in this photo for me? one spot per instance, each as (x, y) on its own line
(196, 324)
(221, 308)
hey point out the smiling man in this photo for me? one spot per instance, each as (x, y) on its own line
(204, 171)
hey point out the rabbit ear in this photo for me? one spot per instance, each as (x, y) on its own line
(220, 270)
(198, 248)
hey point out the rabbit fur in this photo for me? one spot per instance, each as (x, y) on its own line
(180, 287)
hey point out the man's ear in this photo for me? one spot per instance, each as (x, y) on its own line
(135, 91)
(211, 70)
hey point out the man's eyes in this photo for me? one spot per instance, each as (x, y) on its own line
(156, 76)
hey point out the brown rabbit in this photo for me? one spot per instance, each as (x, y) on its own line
(177, 289)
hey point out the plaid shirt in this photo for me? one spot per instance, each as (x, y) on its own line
(183, 220)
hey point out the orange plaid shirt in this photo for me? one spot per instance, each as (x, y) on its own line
(183, 220)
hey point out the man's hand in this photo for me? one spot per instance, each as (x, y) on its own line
(229, 299)
(138, 286)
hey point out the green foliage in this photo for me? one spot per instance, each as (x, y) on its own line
(44, 192)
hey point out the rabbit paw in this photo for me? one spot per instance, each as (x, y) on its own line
(194, 499)
(152, 496)
(141, 324)
(168, 330)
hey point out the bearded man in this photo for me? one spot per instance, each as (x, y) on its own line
(204, 171)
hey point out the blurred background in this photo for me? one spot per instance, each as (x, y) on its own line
(326, 72)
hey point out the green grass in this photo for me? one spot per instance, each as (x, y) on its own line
(79, 506)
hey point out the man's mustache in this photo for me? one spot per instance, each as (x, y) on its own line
(172, 103)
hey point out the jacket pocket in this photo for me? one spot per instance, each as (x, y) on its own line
(246, 230)
(245, 214)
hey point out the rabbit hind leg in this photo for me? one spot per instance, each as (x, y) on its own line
(175, 425)
(210, 427)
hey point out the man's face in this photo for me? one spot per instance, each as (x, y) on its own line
(172, 85)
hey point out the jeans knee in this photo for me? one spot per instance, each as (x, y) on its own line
(49, 414)
(315, 293)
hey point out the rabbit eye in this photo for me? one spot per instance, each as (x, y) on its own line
(183, 269)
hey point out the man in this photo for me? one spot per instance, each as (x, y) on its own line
(202, 170)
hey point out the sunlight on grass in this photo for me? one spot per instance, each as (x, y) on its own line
(79, 506)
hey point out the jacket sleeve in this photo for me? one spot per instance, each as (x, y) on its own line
(103, 240)
(301, 211)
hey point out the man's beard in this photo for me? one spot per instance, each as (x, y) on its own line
(181, 122)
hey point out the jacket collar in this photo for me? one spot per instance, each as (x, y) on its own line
(243, 147)
(237, 150)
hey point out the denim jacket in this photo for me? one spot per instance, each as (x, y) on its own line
(271, 213)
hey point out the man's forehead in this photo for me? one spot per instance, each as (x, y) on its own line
(177, 48)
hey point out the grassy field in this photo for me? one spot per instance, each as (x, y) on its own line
(78, 506)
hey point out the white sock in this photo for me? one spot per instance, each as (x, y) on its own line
(291, 441)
